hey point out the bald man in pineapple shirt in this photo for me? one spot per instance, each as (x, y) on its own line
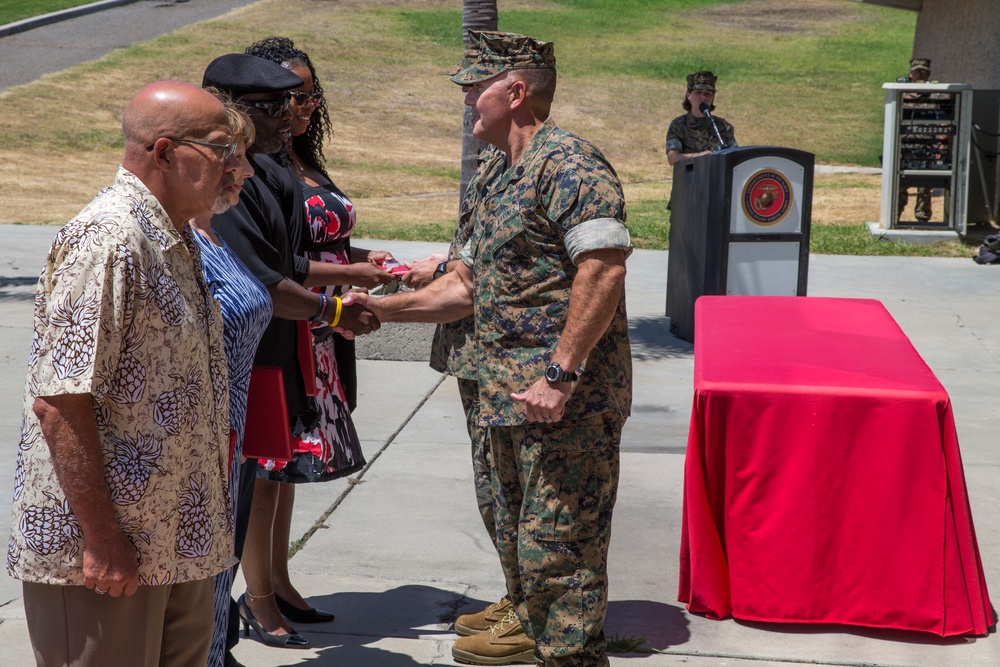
(121, 515)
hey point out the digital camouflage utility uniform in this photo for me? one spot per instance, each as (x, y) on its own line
(453, 351)
(554, 484)
(688, 134)
(922, 207)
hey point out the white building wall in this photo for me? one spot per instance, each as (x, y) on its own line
(960, 38)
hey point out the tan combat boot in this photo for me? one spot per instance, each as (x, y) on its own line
(471, 624)
(504, 643)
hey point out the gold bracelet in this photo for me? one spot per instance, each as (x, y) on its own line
(336, 315)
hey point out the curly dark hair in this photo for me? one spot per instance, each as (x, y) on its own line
(308, 146)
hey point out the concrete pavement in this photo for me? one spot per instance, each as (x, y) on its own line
(398, 550)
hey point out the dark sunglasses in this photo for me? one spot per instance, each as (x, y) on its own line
(303, 99)
(272, 108)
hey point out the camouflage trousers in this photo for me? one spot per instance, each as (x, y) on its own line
(921, 208)
(468, 390)
(554, 489)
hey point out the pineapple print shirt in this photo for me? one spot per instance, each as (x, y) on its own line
(123, 313)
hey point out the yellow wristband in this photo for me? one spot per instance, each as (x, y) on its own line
(336, 313)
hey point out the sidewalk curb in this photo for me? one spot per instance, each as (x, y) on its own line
(61, 15)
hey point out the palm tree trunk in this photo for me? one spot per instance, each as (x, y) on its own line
(476, 15)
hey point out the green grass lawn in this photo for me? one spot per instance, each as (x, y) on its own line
(803, 75)
(788, 80)
(649, 226)
(15, 10)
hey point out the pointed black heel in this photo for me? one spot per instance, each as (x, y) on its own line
(296, 615)
(291, 640)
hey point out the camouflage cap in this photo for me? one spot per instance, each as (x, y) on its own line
(703, 80)
(920, 63)
(470, 55)
(502, 51)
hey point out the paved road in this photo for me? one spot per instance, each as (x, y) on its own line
(28, 55)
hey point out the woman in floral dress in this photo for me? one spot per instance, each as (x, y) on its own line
(331, 449)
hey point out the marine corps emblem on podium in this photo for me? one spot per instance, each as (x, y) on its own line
(766, 197)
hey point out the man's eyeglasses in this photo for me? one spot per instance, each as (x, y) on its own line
(303, 99)
(224, 151)
(272, 108)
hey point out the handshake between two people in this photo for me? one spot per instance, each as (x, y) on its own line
(361, 312)
(356, 318)
(441, 296)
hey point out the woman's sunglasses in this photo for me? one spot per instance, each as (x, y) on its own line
(303, 99)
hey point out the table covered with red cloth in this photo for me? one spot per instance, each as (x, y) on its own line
(823, 481)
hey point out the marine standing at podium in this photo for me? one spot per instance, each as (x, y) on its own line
(692, 135)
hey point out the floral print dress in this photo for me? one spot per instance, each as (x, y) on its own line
(331, 449)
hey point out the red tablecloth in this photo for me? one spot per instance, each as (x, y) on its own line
(823, 481)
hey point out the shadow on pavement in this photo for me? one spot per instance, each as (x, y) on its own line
(425, 612)
(351, 650)
(406, 612)
(662, 625)
(18, 288)
(651, 339)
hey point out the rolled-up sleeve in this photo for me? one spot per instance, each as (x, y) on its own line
(586, 200)
(599, 234)
(675, 135)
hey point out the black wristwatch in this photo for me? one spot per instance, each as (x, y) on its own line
(441, 269)
(554, 373)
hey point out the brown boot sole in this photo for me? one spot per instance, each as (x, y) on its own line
(522, 658)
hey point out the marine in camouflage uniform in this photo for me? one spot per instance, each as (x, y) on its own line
(688, 134)
(920, 72)
(692, 133)
(554, 484)
(543, 273)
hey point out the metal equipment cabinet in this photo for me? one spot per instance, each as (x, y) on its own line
(926, 147)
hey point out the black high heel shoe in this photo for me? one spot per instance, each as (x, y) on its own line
(296, 615)
(291, 640)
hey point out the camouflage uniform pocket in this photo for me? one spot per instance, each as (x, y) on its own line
(506, 231)
(577, 481)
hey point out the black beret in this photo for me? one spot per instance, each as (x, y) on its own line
(241, 74)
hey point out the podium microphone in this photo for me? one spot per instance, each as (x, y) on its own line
(706, 109)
